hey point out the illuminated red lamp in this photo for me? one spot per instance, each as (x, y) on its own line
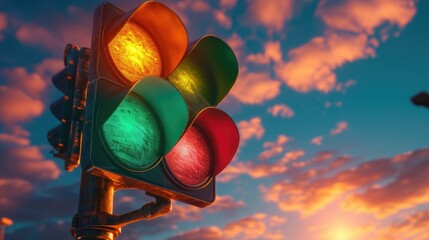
(206, 148)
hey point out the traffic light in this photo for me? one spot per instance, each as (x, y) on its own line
(150, 120)
(72, 81)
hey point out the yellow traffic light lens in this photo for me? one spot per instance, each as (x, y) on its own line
(134, 53)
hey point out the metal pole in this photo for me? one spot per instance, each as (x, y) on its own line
(95, 201)
(2, 231)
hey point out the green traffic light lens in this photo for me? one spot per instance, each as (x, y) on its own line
(133, 135)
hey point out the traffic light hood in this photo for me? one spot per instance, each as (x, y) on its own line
(163, 99)
(222, 135)
(206, 74)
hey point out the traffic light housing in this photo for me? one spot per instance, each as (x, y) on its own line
(151, 120)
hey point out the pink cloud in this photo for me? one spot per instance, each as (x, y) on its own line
(12, 190)
(250, 129)
(272, 52)
(255, 87)
(30, 83)
(256, 226)
(311, 66)
(27, 162)
(365, 16)
(3, 24)
(9, 138)
(227, 4)
(317, 140)
(18, 106)
(342, 87)
(270, 14)
(341, 127)
(72, 26)
(222, 19)
(282, 110)
(275, 148)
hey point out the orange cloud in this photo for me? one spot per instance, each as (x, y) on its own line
(256, 226)
(282, 110)
(30, 83)
(270, 14)
(407, 190)
(251, 129)
(255, 87)
(18, 106)
(311, 190)
(274, 148)
(272, 52)
(236, 43)
(414, 226)
(365, 16)
(260, 170)
(311, 66)
(317, 140)
(341, 127)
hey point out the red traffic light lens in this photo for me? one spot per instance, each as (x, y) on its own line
(190, 161)
(134, 53)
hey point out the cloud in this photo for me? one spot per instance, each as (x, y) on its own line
(349, 36)
(17, 140)
(250, 129)
(30, 83)
(3, 24)
(18, 106)
(255, 87)
(256, 226)
(341, 127)
(13, 190)
(225, 203)
(272, 52)
(365, 16)
(311, 66)
(222, 19)
(227, 4)
(259, 170)
(413, 226)
(273, 149)
(70, 26)
(282, 110)
(26, 162)
(317, 140)
(270, 14)
(408, 189)
(310, 189)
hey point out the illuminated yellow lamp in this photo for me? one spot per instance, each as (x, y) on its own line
(134, 53)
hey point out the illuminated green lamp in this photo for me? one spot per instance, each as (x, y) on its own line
(142, 124)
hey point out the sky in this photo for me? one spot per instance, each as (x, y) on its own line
(331, 146)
